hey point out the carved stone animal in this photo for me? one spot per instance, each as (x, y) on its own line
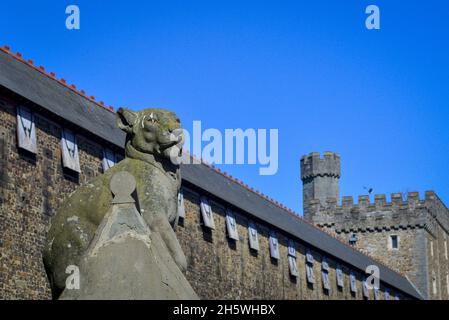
(153, 150)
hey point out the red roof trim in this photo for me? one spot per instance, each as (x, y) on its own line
(52, 75)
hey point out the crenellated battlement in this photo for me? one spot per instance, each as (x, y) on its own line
(401, 212)
(313, 165)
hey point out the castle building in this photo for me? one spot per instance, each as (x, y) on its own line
(408, 234)
(239, 243)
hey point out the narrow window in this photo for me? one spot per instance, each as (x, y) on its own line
(434, 285)
(108, 159)
(353, 282)
(309, 268)
(445, 249)
(70, 157)
(181, 208)
(26, 130)
(206, 212)
(253, 238)
(325, 274)
(274, 246)
(353, 239)
(447, 283)
(339, 273)
(394, 242)
(431, 248)
(293, 266)
(231, 225)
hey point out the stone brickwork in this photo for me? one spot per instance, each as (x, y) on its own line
(220, 268)
(420, 225)
(32, 188)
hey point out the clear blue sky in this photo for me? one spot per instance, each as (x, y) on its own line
(309, 68)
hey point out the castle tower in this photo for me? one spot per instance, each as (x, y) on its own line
(320, 178)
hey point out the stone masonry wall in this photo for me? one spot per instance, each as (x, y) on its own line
(421, 227)
(32, 188)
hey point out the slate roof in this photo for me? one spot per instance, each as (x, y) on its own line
(43, 89)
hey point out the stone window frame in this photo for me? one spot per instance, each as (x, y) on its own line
(434, 284)
(390, 242)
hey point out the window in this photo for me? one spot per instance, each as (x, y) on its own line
(394, 242)
(447, 283)
(431, 248)
(291, 248)
(292, 266)
(26, 130)
(445, 249)
(231, 225)
(206, 212)
(181, 208)
(274, 246)
(434, 284)
(70, 157)
(108, 159)
(353, 239)
(365, 288)
(253, 238)
(325, 274)
(339, 273)
(353, 282)
(309, 268)
(376, 293)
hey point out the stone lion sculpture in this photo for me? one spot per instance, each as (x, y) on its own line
(153, 149)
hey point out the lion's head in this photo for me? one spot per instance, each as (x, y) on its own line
(152, 131)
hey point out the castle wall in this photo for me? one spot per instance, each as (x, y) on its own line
(420, 225)
(32, 188)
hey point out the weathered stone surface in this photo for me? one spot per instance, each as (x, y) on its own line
(158, 181)
(125, 260)
(419, 225)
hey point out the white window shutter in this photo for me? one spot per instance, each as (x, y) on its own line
(231, 225)
(339, 273)
(293, 266)
(206, 212)
(376, 293)
(325, 278)
(274, 246)
(26, 130)
(365, 289)
(309, 273)
(181, 208)
(309, 257)
(253, 237)
(353, 282)
(324, 265)
(291, 248)
(70, 157)
(108, 159)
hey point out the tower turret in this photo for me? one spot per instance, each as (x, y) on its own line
(320, 178)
